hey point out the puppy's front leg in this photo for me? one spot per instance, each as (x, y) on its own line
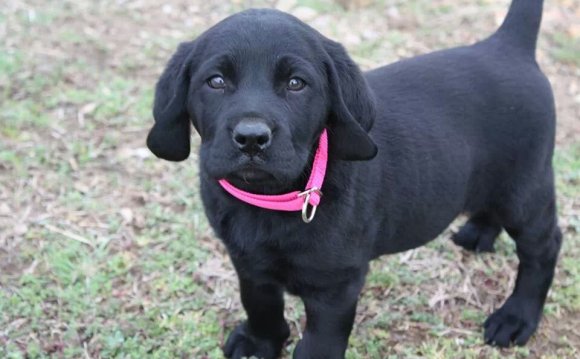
(263, 334)
(329, 319)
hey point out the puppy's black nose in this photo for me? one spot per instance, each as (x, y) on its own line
(252, 136)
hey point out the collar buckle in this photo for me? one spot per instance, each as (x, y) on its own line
(307, 218)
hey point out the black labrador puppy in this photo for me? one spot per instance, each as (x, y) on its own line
(411, 146)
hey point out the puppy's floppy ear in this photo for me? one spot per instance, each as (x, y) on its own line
(352, 107)
(170, 136)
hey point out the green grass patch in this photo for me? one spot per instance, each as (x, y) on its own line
(16, 115)
(567, 168)
(10, 64)
(566, 48)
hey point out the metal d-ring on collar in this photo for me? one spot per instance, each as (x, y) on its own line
(307, 218)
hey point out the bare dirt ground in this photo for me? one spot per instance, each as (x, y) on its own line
(105, 251)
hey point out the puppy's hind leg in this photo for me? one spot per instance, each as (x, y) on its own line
(479, 233)
(534, 228)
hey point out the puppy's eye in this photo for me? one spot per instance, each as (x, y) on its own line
(216, 82)
(296, 84)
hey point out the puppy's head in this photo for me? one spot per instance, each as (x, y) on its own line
(259, 88)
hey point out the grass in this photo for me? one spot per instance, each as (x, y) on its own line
(105, 251)
(566, 48)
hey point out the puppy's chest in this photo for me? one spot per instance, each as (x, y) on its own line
(264, 261)
(263, 245)
(292, 254)
(296, 271)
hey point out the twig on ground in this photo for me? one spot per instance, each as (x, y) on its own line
(69, 235)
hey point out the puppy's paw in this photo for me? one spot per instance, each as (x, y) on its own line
(315, 351)
(242, 344)
(476, 237)
(514, 322)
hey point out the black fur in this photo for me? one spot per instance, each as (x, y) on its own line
(470, 129)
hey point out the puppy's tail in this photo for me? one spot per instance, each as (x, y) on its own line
(521, 25)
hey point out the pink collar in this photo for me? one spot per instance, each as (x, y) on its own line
(293, 201)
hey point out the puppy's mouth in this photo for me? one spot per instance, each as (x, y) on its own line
(250, 175)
